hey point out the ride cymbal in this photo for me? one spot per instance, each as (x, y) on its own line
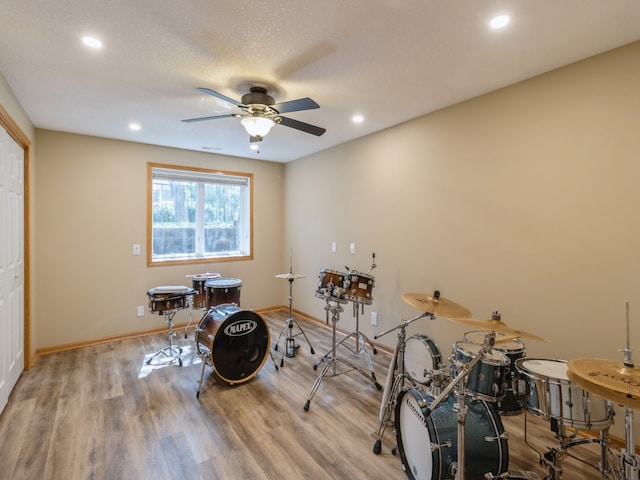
(495, 324)
(609, 379)
(436, 305)
(289, 275)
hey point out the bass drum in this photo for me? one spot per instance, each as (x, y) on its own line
(422, 440)
(234, 342)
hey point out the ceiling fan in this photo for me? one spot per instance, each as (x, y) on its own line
(261, 112)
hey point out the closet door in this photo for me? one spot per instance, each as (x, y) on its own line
(11, 264)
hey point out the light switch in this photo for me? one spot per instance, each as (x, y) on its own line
(352, 248)
(136, 249)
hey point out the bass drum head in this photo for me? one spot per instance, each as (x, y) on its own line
(415, 435)
(240, 347)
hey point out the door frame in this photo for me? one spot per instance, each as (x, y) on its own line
(15, 132)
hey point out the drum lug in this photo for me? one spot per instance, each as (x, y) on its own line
(502, 436)
(446, 444)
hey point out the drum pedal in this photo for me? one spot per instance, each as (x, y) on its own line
(514, 475)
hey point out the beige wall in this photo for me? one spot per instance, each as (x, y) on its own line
(524, 200)
(91, 203)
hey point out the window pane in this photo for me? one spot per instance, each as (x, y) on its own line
(197, 214)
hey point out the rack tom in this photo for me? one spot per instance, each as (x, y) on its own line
(359, 287)
(486, 378)
(198, 283)
(168, 299)
(223, 290)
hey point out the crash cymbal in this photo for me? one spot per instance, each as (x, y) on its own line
(289, 275)
(495, 324)
(607, 378)
(607, 394)
(436, 305)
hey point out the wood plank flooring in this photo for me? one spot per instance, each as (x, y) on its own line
(100, 413)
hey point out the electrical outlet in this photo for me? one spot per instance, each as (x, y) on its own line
(374, 319)
(334, 247)
(352, 248)
(141, 311)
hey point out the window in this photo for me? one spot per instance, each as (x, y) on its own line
(197, 215)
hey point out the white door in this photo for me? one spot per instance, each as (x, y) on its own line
(11, 264)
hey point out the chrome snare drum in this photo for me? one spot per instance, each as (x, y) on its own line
(359, 287)
(554, 396)
(223, 290)
(234, 342)
(486, 378)
(331, 286)
(421, 358)
(516, 388)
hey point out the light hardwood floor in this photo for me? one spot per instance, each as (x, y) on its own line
(99, 413)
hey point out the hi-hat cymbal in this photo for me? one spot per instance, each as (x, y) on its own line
(289, 275)
(436, 305)
(607, 378)
(496, 325)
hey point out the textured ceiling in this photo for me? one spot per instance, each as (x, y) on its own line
(388, 60)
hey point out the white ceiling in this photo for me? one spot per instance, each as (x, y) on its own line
(389, 60)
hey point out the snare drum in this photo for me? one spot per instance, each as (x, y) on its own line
(198, 283)
(516, 388)
(234, 342)
(359, 287)
(421, 358)
(331, 285)
(168, 299)
(486, 378)
(554, 396)
(223, 290)
(428, 445)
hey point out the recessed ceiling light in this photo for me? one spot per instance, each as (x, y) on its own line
(92, 42)
(134, 126)
(357, 118)
(499, 21)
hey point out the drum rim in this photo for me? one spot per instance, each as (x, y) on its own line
(489, 360)
(541, 376)
(236, 282)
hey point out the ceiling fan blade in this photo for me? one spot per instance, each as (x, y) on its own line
(305, 127)
(214, 117)
(296, 105)
(208, 91)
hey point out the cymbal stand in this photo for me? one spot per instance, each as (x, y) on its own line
(172, 351)
(399, 377)
(630, 463)
(290, 345)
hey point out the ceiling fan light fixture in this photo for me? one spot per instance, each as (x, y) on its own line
(257, 125)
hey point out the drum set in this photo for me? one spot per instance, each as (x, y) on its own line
(447, 421)
(336, 289)
(232, 341)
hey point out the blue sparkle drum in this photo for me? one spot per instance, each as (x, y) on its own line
(516, 388)
(428, 445)
(486, 379)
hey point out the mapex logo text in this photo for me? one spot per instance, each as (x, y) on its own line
(241, 327)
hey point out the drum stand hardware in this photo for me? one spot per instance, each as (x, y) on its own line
(330, 357)
(398, 380)
(360, 345)
(172, 351)
(290, 346)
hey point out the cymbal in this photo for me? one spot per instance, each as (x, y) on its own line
(609, 379)
(496, 325)
(289, 276)
(439, 306)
